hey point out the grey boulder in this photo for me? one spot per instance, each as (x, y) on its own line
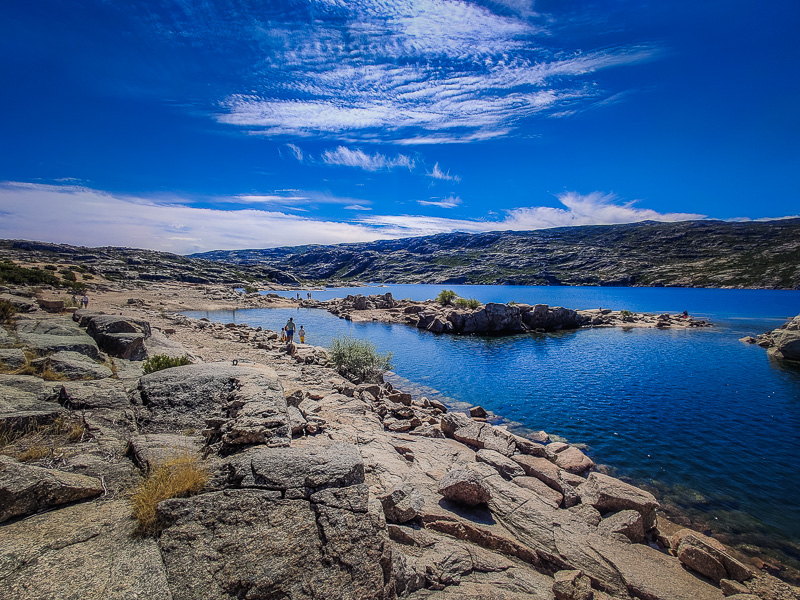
(27, 489)
(464, 486)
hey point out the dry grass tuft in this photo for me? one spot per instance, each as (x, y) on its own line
(38, 440)
(179, 477)
(35, 452)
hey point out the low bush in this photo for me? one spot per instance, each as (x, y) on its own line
(472, 303)
(13, 273)
(176, 478)
(625, 313)
(159, 362)
(358, 360)
(446, 297)
(250, 289)
(7, 310)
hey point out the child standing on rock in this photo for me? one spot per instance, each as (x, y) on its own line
(302, 333)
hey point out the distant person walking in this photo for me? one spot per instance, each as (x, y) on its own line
(290, 330)
(85, 301)
(302, 333)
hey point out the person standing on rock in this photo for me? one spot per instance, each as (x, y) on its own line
(290, 330)
(85, 301)
(283, 334)
(302, 333)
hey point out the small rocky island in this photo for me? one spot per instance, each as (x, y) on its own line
(491, 318)
(314, 486)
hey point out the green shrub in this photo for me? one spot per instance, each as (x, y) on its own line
(446, 297)
(68, 275)
(51, 267)
(625, 313)
(159, 362)
(472, 303)
(358, 360)
(250, 289)
(13, 273)
(7, 310)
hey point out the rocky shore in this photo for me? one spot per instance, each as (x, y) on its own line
(317, 487)
(491, 318)
(782, 343)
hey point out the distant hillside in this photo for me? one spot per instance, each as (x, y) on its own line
(130, 264)
(687, 254)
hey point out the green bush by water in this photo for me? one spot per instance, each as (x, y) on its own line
(446, 297)
(358, 360)
(472, 303)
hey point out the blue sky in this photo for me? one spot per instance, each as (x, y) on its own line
(191, 126)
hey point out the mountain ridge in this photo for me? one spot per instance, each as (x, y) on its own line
(753, 254)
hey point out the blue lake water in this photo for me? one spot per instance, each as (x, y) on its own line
(710, 424)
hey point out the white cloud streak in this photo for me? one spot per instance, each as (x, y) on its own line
(83, 216)
(449, 202)
(343, 156)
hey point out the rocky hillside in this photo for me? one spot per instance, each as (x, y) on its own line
(687, 254)
(99, 265)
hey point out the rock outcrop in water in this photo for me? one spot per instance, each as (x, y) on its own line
(492, 318)
(318, 488)
(783, 342)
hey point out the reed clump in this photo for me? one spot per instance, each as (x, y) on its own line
(177, 478)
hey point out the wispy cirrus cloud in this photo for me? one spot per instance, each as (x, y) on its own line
(343, 156)
(296, 151)
(437, 173)
(83, 216)
(449, 202)
(410, 71)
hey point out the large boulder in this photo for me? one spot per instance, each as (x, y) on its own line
(25, 401)
(55, 334)
(608, 494)
(21, 303)
(12, 358)
(122, 337)
(244, 404)
(294, 523)
(572, 460)
(541, 316)
(402, 504)
(626, 522)
(297, 472)
(74, 365)
(81, 551)
(151, 450)
(502, 464)
(708, 557)
(27, 489)
(784, 342)
(480, 435)
(464, 486)
(103, 393)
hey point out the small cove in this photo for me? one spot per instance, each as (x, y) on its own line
(712, 424)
